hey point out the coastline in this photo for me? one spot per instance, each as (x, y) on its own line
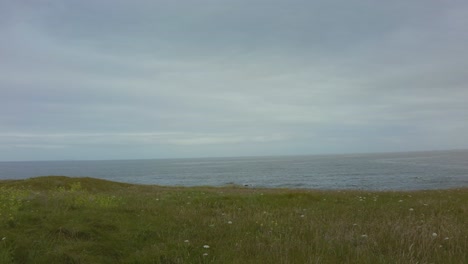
(379, 172)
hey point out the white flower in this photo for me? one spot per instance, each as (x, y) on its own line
(205, 254)
(302, 215)
(206, 246)
(364, 236)
(400, 201)
(3, 238)
(411, 209)
(446, 238)
(230, 222)
(434, 234)
(186, 241)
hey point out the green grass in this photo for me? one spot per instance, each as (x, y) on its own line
(85, 220)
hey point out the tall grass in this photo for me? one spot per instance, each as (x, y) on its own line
(84, 220)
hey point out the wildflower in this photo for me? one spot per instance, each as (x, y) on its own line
(302, 215)
(206, 246)
(400, 201)
(364, 236)
(3, 238)
(205, 254)
(411, 209)
(230, 222)
(446, 238)
(434, 234)
(186, 241)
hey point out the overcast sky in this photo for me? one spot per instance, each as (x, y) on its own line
(115, 79)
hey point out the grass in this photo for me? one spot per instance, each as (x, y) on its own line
(85, 220)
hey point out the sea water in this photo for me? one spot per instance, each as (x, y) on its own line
(386, 171)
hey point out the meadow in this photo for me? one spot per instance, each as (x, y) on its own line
(84, 220)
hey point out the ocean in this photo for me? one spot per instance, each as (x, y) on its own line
(385, 171)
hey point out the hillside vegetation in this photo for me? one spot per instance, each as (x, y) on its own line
(85, 220)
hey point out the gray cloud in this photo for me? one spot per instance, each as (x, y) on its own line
(153, 78)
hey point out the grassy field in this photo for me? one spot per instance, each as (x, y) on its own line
(85, 220)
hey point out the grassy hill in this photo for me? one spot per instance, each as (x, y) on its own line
(86, 220)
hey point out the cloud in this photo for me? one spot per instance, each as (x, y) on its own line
(317, 76)
(63, 140)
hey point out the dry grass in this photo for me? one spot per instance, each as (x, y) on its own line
(84, 220)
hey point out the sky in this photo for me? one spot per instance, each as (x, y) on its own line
(115, 79)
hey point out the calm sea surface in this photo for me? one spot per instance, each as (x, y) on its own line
(391, 171)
